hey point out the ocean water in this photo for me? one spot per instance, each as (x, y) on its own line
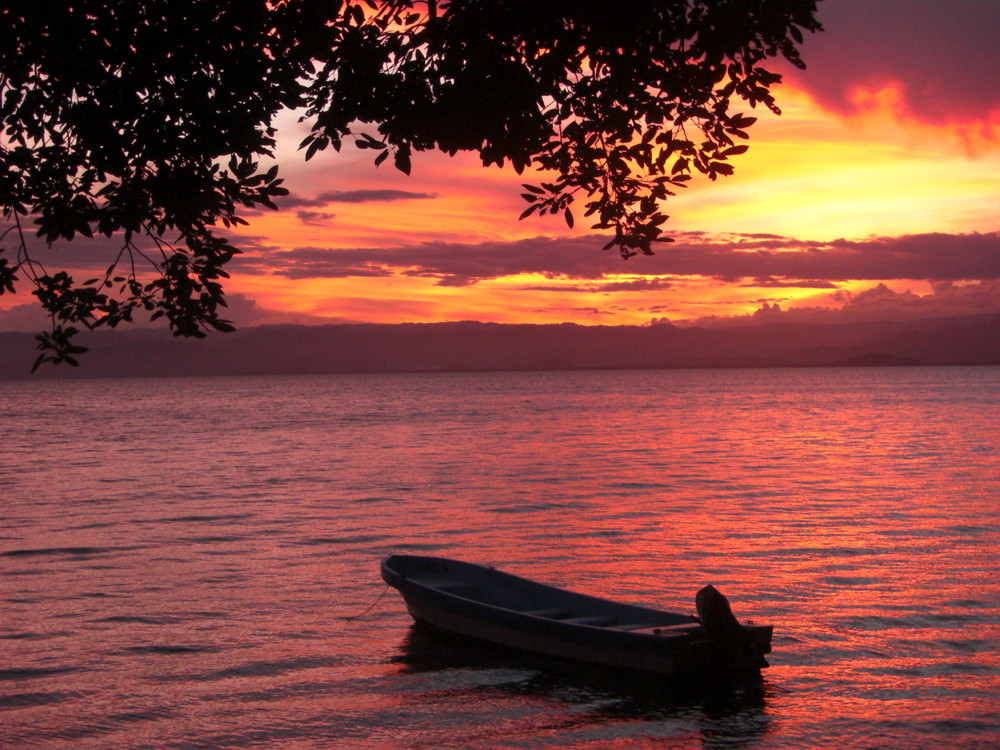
(193, 563)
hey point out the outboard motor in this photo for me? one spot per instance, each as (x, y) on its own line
(725, 630)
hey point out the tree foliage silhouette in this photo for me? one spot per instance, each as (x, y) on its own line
(150, 124)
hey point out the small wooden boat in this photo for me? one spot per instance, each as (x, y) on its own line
(488, 605)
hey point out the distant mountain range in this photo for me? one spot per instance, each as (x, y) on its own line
(469, 346)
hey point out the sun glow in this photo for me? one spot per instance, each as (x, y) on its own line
(809, 174)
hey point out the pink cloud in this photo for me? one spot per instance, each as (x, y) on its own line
(27, 317)
(643, 284)
(947, 299)
(240, 309)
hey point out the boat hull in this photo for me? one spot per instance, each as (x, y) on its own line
(490, 606)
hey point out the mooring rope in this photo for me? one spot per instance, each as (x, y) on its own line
(374, 604)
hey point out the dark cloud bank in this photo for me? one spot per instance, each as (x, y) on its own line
(962, 269)
(769, 259)
(352, 196)
(943, 56)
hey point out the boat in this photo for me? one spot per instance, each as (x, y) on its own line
(485, 604)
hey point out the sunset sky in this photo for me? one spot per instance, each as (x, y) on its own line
(875, 194)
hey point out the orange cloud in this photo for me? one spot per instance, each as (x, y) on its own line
(938, 59)
(881, 170)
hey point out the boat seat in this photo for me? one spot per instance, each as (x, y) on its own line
(635, 626)
(553, 613)
(684, 627)
(597, 620)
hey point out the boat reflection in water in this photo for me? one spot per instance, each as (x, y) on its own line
(731, 710)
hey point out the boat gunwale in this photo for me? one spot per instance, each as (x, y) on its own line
(565, 629)
(676, 618)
